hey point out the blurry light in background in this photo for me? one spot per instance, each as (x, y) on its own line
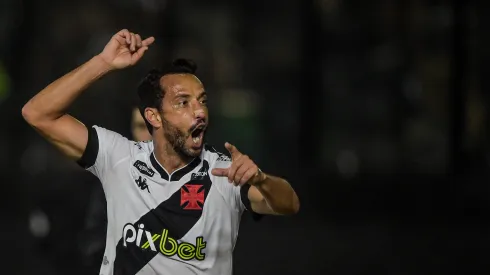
(4, 83)
(238, 103)
(347, 163)
(39, 224)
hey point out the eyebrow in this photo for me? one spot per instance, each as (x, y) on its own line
(182, 94)
(202, 94)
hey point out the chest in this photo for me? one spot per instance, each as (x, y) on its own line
(186, 220)
(191, 205)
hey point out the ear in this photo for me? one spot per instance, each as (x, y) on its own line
(153, 117)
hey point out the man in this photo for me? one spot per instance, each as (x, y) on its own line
(94, 234)
(174, 204)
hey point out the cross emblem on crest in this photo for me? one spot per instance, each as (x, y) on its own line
(189, 193)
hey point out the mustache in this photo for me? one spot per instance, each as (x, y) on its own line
(198, 124)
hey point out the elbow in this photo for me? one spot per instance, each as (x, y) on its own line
(289, 209)
(294, 205)
(28, 114)
(31, 115)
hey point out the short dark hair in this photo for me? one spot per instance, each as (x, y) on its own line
(151, 93)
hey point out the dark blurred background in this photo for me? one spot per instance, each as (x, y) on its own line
(376, 111)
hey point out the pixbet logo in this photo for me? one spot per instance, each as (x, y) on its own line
(167, 245)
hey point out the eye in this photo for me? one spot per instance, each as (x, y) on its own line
(204, 101)
(182, 103)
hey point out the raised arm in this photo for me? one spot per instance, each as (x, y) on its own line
(46, 111)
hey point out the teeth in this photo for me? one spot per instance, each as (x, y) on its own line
(196, 139)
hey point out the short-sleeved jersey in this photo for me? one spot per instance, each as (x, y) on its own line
(185, 222)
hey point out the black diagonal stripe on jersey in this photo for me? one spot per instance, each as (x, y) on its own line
(168, 215)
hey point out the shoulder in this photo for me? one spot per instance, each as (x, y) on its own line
(143, 146)
(103, 146)
(215, 158)
(106, 135)
(111, 142)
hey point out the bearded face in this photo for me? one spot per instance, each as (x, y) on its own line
(184, 113)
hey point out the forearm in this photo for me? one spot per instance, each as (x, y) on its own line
(279, 195)
(52, 102)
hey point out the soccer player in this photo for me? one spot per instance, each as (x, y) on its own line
(174, 204)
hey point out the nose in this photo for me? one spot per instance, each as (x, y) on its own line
(198, 110)
(199, 113)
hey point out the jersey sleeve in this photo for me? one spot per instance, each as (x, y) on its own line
(236, 196)
(104, 149)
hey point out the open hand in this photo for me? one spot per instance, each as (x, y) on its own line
(125, 49)
(242, 170)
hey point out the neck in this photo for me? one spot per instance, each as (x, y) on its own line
(168, 157)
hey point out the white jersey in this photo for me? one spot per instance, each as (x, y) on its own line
(159, 223)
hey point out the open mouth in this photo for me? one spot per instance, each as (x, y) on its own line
(197, 133)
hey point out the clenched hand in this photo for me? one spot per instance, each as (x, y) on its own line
(125, 49)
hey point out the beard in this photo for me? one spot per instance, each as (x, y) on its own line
(177, 139)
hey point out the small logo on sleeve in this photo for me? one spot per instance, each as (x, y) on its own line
(143, 168)
(137, 144)
(223, 157)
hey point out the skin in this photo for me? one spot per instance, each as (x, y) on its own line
(183, 107)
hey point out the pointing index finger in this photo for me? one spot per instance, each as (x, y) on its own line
(220, 172)
(233, 150)
(148, 41)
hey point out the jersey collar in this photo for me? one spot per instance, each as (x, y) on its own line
(177, 174)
